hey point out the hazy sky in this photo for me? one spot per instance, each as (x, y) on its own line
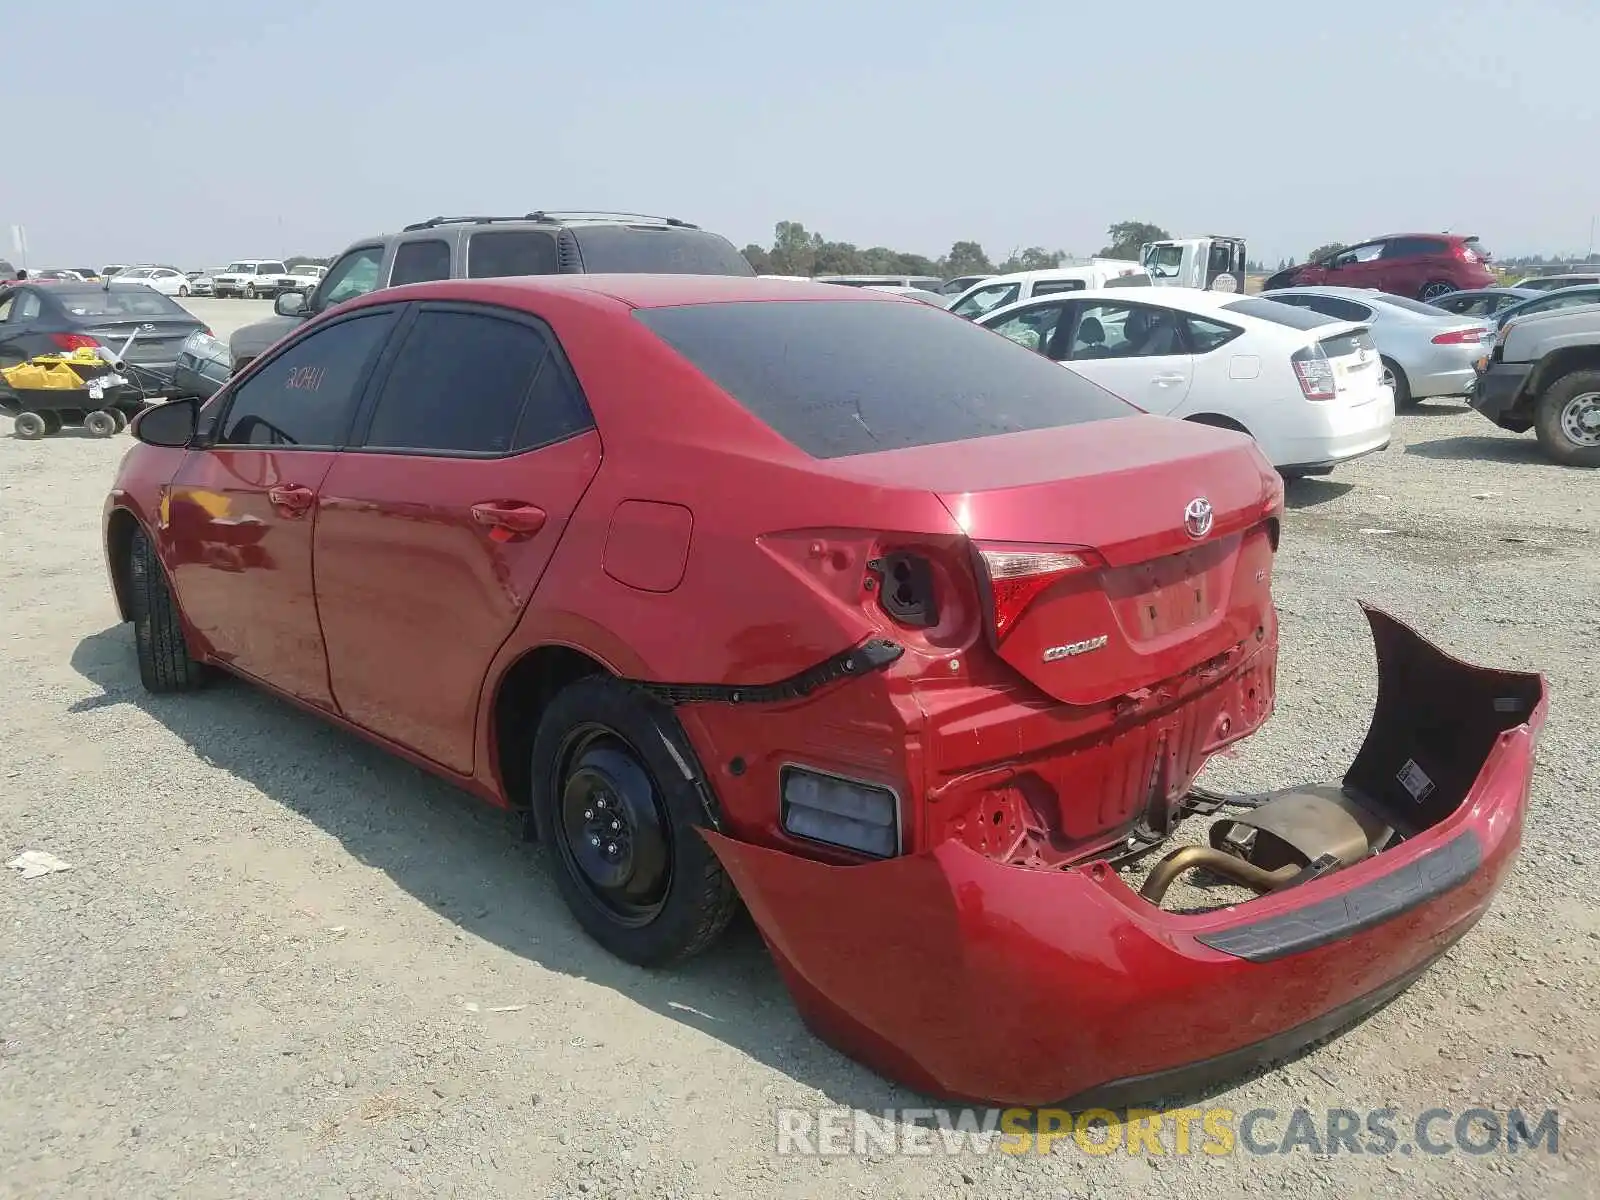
(234, 128)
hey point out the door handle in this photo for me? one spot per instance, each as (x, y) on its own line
(1169, 380)
(291, 499)
(509, 520)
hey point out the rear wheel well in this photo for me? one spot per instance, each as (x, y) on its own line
(530, 684)
(1218, 421)
(119, 545)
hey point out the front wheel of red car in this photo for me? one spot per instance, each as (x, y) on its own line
(164, 661)
(619, 823)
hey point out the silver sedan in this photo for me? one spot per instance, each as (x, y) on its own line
(1426, 352)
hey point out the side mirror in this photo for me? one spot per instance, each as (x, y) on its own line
(172, 424)
(289, 304)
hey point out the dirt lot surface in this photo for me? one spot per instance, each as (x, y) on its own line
(284, 964)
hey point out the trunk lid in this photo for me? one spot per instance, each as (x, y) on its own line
(158, 341)
(1357, 367)
(1104, 572)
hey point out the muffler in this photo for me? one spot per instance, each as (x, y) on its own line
(1291, 837)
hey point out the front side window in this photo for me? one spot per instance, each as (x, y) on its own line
(468, 383)
(1125, 331)
(1033, 327)
(1358, 254)
(354, 275)
(987, 299)
(307, 395)
(496, 253)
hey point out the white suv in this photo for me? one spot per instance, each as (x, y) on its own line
(250, 278)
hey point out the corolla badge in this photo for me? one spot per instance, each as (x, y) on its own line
(1073, 649)
(1197, 517)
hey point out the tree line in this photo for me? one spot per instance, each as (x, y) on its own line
(795, 250)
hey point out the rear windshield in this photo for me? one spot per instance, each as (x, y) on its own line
(842, 377)
(658, 251)
(1410, 305)
(1279, 314)
(1477, 247)
(137, 301)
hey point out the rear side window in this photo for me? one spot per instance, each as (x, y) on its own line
(1334, 306)
(658, 251)
(500, 252)
(838, 378)
(419, 262)
(1405, 302)
(1263, 309)
(1413, 247)
(1046, 287)
(1206, 336)
(307, 395)
(462, 384)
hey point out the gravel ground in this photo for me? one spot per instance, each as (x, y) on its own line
(286, 964)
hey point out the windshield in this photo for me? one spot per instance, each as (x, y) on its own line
(135, 301)
(845, 377)
(1164, 260)
(242, 268)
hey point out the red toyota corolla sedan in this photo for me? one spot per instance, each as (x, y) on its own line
(835, 603)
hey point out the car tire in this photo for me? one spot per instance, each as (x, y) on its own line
(165, 664)
(122, 418)
(608, 763)
(1566, 419)
(1435, 288)
(183, 292)
(249, 291)
(52, 423)
(29, 426)
(1395, 377)
(102, 423)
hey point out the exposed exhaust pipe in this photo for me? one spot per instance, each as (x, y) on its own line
(1220, 862)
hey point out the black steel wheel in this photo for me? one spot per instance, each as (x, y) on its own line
(619, 822)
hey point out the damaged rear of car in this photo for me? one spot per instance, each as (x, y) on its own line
(932, 836)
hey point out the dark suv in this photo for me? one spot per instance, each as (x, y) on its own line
(537, 243)
(1424, 266)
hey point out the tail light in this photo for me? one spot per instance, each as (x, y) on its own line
(1461, 337)
(1467, 254)
(1015, 576)
(1315, 373)
(75, 341)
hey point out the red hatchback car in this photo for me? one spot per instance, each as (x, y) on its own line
(832, 602)
(1423, 266)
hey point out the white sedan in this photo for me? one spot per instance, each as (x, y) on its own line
(162, 279)
(1307, 387)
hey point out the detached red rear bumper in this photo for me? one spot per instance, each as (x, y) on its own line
(972, 979)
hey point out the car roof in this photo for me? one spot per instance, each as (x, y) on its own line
(1427, 233)
(640, 291)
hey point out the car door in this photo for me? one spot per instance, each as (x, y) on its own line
(1409, 263)
(239, 514)
(434, 532)
(1354, 266)
(1136, 351)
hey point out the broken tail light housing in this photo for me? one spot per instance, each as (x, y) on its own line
(838, 811)
(1015, 576)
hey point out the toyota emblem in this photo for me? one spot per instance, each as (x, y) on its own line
(1197, 517)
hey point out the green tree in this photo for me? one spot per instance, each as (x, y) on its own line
(1128, 236)
(1034, 258)
(760, 260)
(1327, 250)
(794, 251)
(967, 258)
